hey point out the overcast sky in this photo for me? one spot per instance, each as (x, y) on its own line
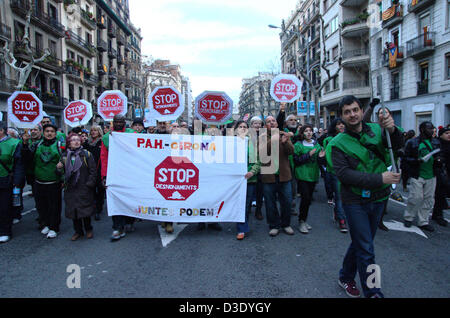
(216, 42)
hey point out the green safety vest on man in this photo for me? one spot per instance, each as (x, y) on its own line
(369, 150)
(45, 160)
(7, 150)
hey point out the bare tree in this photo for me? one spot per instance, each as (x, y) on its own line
(24, 71)
(316, 92)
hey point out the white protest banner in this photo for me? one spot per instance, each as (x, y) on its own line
(177, 178)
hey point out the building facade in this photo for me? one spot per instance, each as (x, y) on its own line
(93, 47)
(255, 96)
(411, 60)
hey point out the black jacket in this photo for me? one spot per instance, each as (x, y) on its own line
(411, 157)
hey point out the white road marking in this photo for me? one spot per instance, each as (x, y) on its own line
(399, 226)
(166, 238)
(29, 211)
(401, 203)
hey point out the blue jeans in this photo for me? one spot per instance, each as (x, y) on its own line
(251, 191)
(275, 219)
(338, 209)
(363, 222)
(327, 178)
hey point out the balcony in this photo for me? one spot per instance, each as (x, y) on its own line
(356, 58)
(101, 22)
(418, 5)
(421, 46)
(121, 40)
(395, 92)
(38, 18)
(392, 16)
(87, 18)
(5, 32)
(78, 42)
(112, 74)
(288, 39)
(422, 87)
(127, 47)
(102, 46)
(314, 14)
(358, 88)
(120, 59)
(356, 26)
(353, 3)
(101, 69)
(398, 61)
(90, 79)
(53, 100)
(111, 31)
(112, 53)
(51, 62)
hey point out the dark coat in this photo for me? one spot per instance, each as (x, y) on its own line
(79, 198)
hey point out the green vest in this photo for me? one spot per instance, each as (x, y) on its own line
(326, 141)
(426, 168)
(45, 160)
(7, 150)
(105, 138)
(308, 171)
(253, 166)
(369, 161)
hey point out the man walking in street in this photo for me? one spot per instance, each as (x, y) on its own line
(12, 175)
(359, 158)
(119, 221)
(422, 177)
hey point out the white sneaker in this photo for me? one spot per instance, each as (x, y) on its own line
(45, 230)
(309, 227)
(4, 239)
(15, 221)
(274, 232)
(51, 234)
(302, 228)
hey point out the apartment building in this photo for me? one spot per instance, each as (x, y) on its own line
(346, 36)
(411, 60)
(255, 96)
(186, 91)
(45, 32)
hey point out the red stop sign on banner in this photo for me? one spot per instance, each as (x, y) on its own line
(213, 107)
(165, 100)
(285, 88)
(112, 103)
(25, 109)
(176, 178)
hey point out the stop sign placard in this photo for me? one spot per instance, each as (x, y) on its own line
(112, 103)
(285, 88)
(25, 109)
(176, 178)
(77, 113)
(213, 107)
(166, 103)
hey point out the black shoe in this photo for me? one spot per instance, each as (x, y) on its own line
(441, 221)
(215, 226)
(407, 223)
(427, 227)
(383, 227)
(201, 226)
(259, 216)
(97, 217)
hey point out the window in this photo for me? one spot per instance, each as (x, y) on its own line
(71, 92)
(335, 52)
(447, 66)
(334, 24)
(448, 13)
(395, 85)
(52, 47)
(424, 23)
(80, 92)
(39, 44)
(336, 82)
(70, 55)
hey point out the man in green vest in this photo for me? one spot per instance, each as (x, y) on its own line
(119, 221)
(12, 176)
(359, 158)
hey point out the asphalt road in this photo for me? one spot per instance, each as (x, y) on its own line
(208, 263)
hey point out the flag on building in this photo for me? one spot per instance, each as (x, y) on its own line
(393, 51)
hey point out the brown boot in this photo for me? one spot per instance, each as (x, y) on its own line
(76, 236)
(89, 234)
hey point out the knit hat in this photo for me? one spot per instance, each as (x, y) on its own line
(443, 130)
(255, 118)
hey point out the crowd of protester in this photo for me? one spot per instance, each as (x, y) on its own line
(75, 165)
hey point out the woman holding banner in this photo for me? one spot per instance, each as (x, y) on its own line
(241, 130)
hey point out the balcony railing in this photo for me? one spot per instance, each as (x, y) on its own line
(89, 18)
(417, 5)
(421, 45)
(5, 31)
(355, 53)
(392, 16)
(7, 85)
(39, 17)
(422, 87)
(112, 53)
(120, 38)
(102, 46)
(111, 31)
(399, 59)
(51, 62)
(355, 84)
(101, 22)
(80, 42)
